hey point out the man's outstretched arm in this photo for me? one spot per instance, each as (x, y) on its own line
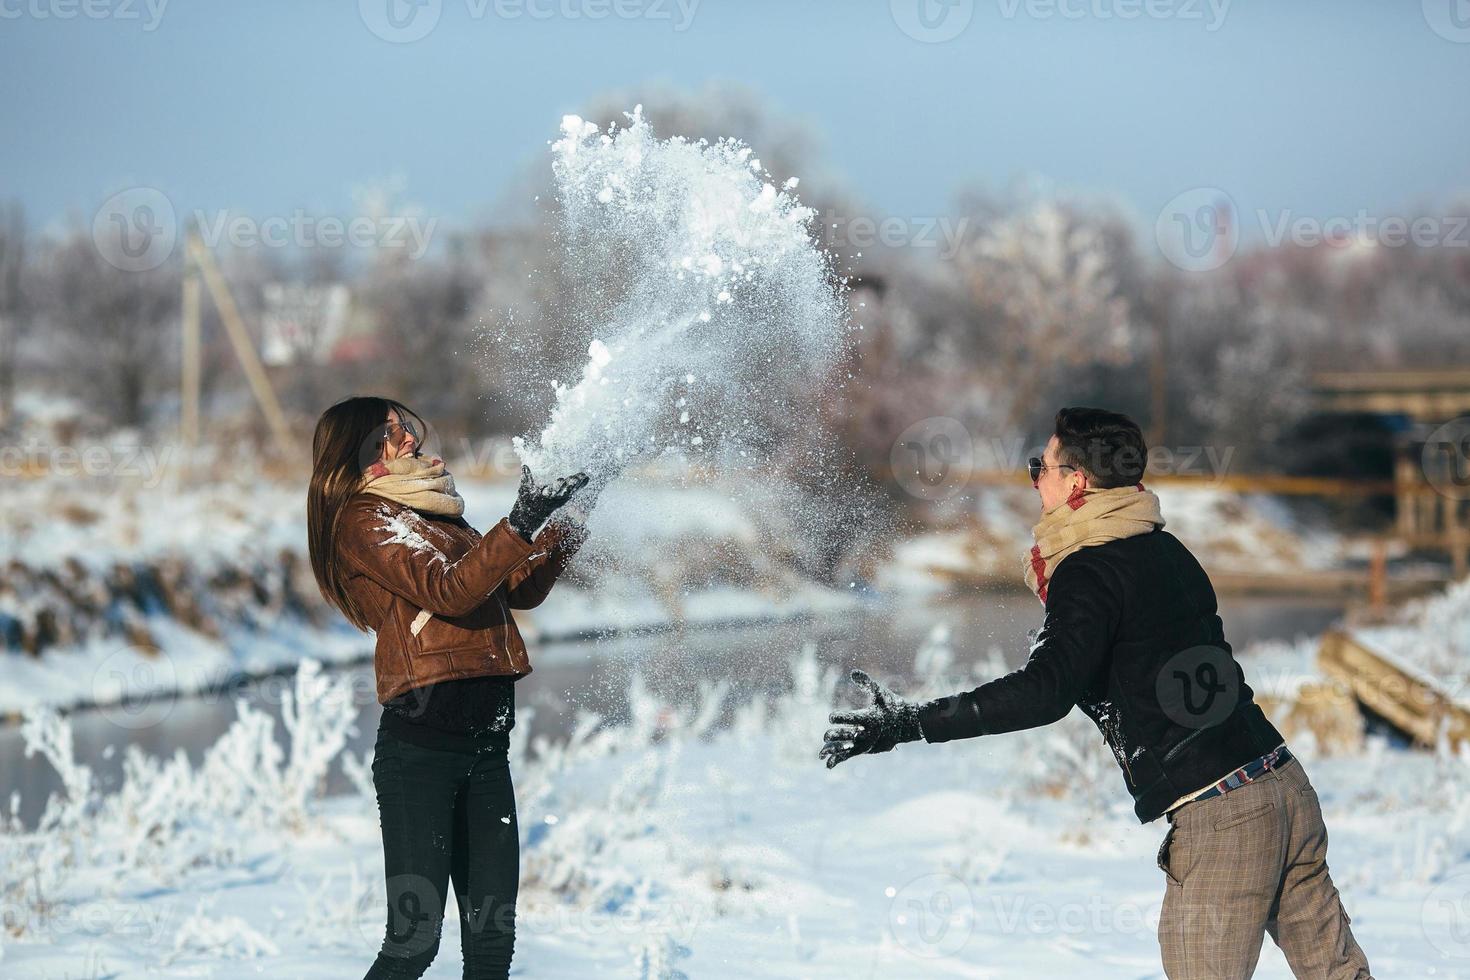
(1082, 612)
(888, 721)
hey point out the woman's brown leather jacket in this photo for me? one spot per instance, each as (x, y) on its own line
(439, 595)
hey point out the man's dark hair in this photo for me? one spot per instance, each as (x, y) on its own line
(1108, 446)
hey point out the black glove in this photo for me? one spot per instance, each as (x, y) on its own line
(535, 503)
(879, 728)
(586, 500)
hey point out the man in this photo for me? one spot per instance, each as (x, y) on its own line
(1131, 636)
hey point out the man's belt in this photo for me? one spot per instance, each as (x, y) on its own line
(1249, 772)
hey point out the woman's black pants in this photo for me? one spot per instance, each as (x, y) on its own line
(448, 815)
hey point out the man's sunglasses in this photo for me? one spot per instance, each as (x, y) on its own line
(1037, 466)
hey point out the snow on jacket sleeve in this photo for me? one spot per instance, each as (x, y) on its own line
(530, 584)
(418, 572)
(1083, 609)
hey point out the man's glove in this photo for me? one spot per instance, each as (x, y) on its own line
(879, 728)
(535, 503)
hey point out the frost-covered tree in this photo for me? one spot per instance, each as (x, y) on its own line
(113, 331)
(1048, 285)
(13, 309)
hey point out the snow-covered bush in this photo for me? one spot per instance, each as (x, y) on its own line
(657, 958)
(224, 937)
(168, 819)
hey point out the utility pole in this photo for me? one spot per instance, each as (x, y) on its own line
(260, 385)
(12, 258)
(189, 382)
(1158, 381)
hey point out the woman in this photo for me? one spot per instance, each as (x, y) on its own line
(391, 550)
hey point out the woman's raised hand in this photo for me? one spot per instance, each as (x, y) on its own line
(537, 502)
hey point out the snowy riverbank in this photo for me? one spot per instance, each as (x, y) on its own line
(124, 594)
(120, 590)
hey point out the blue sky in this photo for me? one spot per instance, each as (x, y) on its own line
(1318, 107)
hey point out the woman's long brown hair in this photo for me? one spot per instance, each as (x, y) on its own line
(349, 438)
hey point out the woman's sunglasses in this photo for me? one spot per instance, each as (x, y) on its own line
(402, 429)
(1036, 466)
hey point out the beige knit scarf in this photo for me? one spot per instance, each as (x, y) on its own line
(423, 484)
(1088, 517)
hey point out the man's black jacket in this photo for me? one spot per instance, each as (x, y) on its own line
(1130, 636)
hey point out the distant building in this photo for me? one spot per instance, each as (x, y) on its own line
(302, 322)
(1431, 454)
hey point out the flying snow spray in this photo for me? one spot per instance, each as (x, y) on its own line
(724, 306)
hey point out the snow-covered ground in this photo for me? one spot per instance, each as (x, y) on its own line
(671, 844)
(1430, 639)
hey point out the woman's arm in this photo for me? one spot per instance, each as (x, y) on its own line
(530, 584)
(380, 543)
